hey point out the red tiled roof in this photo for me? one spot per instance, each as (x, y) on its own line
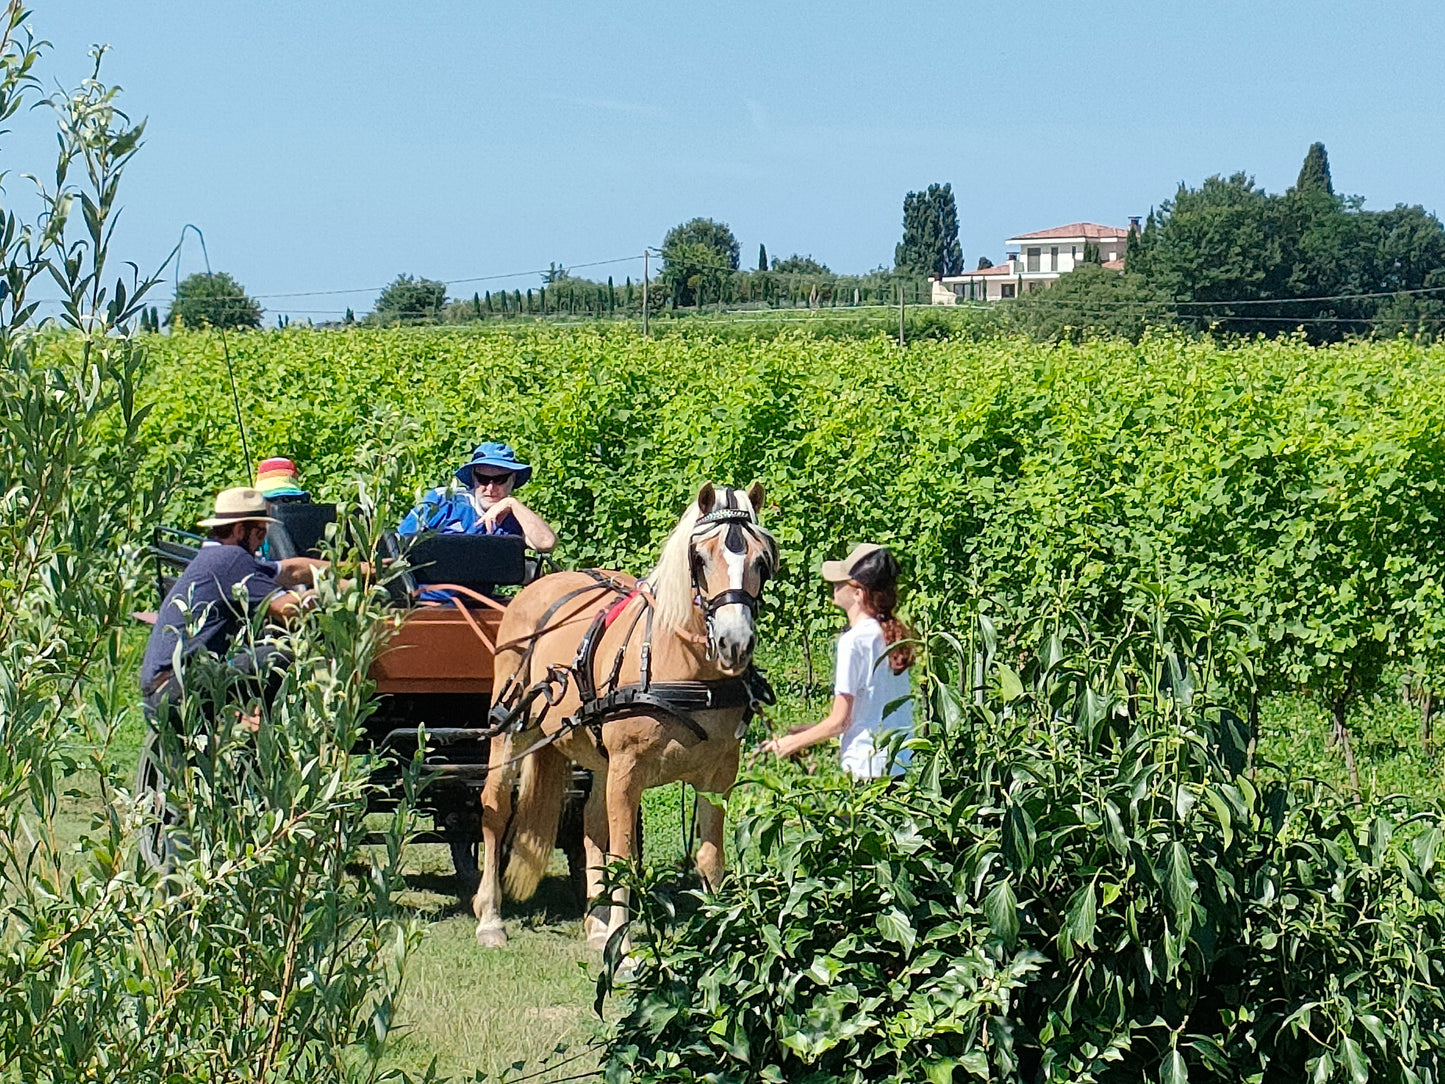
(1113, 265)
(1001, 269)
(1090, 230)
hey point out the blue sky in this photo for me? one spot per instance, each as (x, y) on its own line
(328, 146)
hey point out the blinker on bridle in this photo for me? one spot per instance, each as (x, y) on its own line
(735, 595)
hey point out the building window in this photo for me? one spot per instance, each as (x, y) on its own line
(1033, 262)
(1054, 258)
(1074, 253)
(1006, 289)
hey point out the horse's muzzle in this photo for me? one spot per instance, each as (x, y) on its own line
(733, 639)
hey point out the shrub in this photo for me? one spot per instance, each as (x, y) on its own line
(1081, 880)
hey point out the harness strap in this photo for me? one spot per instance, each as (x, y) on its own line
(677, 699)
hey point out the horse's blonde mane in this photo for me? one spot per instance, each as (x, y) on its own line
(671, 580)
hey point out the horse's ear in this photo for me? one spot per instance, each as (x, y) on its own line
(705, 498)
(756, 496)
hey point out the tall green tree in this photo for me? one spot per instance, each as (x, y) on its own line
(800, 265)
(410, 300)
(697, 259)
(1224, 242)
(1314, 174)
(213, 300)
(930, 233)
(762, 257)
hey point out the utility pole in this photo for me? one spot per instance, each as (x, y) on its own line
(901, 342)
(644, 293)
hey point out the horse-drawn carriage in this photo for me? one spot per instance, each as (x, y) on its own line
(640, 683)
(435, 677)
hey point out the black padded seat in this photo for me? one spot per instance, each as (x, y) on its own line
(477, 562)
(301, 530)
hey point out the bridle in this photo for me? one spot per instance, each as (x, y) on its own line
(733, 596)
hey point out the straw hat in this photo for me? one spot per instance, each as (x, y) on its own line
(241, 503)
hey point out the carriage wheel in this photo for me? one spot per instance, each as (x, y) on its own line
(157, 843)
(462, 831)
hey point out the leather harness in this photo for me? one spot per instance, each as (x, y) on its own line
(677, 700)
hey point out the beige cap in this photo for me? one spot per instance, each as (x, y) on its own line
(236, 505)
(842, 571)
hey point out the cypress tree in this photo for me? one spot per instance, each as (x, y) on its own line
(629, 291)
(611, 298)
(477, 305)
(1314, 174)
(542, 302)
(488, 302)
(762, 257)
(529, 301)
(519, 299)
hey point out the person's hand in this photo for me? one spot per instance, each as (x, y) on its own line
(493, 515)
(781, 747)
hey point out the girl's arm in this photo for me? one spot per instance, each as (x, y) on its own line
(831, 727)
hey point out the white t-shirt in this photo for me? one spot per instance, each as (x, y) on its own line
(864, 674)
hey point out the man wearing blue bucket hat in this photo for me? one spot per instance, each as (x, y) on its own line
(485, 504)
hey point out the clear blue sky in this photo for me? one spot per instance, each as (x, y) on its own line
(329, 146)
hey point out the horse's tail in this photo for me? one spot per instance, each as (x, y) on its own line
(533, 831)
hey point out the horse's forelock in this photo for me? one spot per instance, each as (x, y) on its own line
(671, 579)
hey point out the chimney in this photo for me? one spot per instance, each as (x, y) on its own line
(1134, 223)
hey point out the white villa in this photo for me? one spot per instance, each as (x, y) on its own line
(1034, 261)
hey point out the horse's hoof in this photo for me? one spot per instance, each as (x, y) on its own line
(491, 936)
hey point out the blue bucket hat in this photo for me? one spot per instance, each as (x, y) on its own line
(493, 453)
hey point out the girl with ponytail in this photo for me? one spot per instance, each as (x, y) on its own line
(872, 672)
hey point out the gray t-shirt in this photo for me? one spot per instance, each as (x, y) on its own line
(206, 593)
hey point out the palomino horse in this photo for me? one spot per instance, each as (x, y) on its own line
(644, 684)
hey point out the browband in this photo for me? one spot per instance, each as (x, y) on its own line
(726, 515)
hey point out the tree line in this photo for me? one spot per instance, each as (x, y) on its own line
(1226, 257)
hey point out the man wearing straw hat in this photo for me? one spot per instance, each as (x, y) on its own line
(220, 589)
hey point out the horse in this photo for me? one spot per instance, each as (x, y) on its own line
(643, 682)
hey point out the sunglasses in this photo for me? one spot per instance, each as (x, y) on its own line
(491, 479)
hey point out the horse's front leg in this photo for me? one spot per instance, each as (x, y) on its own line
(710, 857)
(594, 844)
(496, 812)
(624, 799)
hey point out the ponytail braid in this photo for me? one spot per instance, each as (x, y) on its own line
(881, 601)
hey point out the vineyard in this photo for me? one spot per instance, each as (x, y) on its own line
(1124, 556)
(1300, 486)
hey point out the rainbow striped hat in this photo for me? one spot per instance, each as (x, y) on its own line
(277, 477)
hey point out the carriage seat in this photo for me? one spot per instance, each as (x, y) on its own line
(301, 529)
(480, 563)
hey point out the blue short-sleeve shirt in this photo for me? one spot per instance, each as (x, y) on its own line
(206, 592)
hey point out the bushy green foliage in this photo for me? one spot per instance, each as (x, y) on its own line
(257, 955)
(212, 300)
(408, 300)
(697, 258)
(1241, 260)
(1079, 881)
(1090, 301)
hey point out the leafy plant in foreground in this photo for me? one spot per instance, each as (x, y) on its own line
(1079, 880)
(255, 956)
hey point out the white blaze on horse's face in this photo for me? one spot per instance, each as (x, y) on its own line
(733, 560)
